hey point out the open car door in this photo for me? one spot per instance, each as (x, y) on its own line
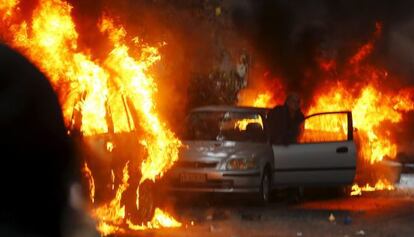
(325, 153)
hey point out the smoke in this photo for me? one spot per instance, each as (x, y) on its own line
(283, 38)
(291, 35)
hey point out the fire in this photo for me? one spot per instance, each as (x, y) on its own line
(161, 144)
(160, 219)
(367, 48)
(358, 88)
(263, 92)
(370, 107)
(109, 146)
(380, 185)
(323, 128)
(98, 96)
(263, 100)
(110, 216)
(242, 124)
(88, 173)
(6, 8)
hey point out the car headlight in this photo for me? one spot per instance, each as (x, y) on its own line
(241, 164)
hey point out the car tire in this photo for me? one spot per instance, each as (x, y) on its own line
(265, 187)
(147, 203)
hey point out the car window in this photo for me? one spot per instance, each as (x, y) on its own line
(225, 126)
(324, 128)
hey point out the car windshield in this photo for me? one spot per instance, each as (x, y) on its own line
(225, 126)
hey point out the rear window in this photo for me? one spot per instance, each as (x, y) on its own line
(225, 126)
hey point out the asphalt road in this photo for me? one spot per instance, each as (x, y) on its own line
(388, 213)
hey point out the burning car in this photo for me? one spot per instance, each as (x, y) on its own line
(227, 150)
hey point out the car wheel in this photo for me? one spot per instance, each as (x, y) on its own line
(147, 201)
(265, 186)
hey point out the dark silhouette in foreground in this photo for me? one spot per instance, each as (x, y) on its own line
(36, 154)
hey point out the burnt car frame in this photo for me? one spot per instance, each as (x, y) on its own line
(215, 158)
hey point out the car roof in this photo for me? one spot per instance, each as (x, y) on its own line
(226, 108)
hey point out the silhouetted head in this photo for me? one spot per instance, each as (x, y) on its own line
(35, 150)
(293, 102)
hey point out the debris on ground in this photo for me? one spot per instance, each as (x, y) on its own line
(347, 220)
(214, 228)
(251, 217)
(360, 232)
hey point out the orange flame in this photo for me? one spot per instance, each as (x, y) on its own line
(325, 128)
(262, 92)
(7, 8)
(242, 124)
(97, 89)
(263, 100)
(161, 143)
(88, 173)
(367, 48)
(370, 108)
(380, 185)
(160, 219)
(358, 89)
(110, 216)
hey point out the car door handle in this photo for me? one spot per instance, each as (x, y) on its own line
(342, 149)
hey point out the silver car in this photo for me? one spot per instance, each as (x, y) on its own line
(227, 150)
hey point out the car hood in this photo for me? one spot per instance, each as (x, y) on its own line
(218, 151)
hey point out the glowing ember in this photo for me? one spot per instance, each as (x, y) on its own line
(109, 146)
(112, 179)
(93, 92)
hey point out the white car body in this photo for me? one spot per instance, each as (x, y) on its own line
(203, 165)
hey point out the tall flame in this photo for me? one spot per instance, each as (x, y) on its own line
(97, 91)
(370, 107)
(358, 88)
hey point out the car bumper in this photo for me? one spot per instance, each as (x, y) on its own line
(216, 181)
